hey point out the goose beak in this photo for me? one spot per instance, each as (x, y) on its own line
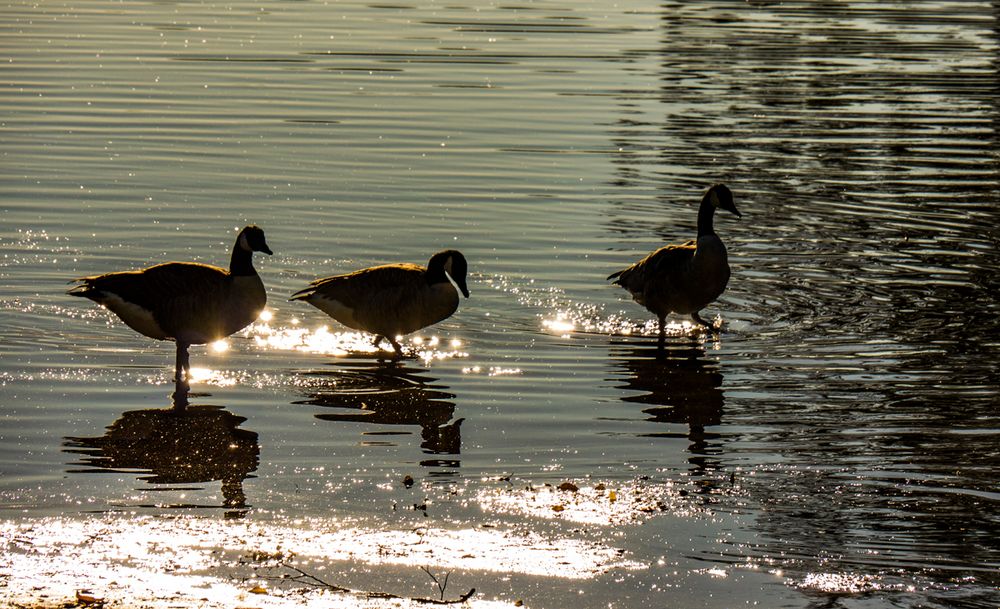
(266, 249)
(463, 287)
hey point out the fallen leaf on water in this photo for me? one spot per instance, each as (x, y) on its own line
(557, 508)
(568, 486)
(87, 598)
(612, 496)
(258, 590)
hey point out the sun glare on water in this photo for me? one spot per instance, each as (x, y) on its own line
(322, 340)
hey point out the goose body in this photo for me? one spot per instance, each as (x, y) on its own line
(684, 278)
(186, 302)
(391, 300)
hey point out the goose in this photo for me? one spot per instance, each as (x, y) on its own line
(186, 302)
(684, 278)
(391, 300)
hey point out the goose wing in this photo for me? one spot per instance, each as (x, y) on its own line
(360, 287)
(387, 300)
(185, 299)
(150, 288)
(665, 266)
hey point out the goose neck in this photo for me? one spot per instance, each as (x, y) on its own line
(706, 215)
(241, 262)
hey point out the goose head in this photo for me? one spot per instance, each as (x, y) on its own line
(721, 197)
(251, 239)
(453, 263)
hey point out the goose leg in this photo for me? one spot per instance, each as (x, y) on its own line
(179, 363)
(663, 331)
(396, 347)
(378, 340)
(187, 366)
(181, 368)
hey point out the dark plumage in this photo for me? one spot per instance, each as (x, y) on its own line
(684, 278)
(186, 302)
(392, 299)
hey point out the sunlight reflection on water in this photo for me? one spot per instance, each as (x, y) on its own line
(596, 504)
(323, 341)
(217, 561)
(840, 427)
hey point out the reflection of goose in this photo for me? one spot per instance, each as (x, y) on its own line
(177, 446)
(186, 302)
(679, 384)
(393, 299)
(390, 395)
(683, 278)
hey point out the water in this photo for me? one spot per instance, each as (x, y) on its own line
(834, 446)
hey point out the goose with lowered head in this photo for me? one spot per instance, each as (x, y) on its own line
(391, 300)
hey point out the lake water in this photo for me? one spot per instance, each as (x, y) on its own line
(836, 445)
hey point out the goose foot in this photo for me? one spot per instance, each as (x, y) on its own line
(179, 399)
(398, 350)
(697, 319)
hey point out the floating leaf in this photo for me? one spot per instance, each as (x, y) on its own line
(87, 597)
(568, 486)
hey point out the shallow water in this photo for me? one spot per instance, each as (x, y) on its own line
(834, 446)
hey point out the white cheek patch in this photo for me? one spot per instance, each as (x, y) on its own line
(244, 243)
(447, 265)
(139, 319)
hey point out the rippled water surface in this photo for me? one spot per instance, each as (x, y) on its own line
(836, 445)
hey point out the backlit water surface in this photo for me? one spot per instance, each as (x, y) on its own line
(836, 445)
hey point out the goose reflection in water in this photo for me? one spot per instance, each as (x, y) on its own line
(678, 384)
(390, 394)
(179, 445)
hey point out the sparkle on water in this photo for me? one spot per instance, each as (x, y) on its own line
(321, 340)
(160, 562)
(833, 445)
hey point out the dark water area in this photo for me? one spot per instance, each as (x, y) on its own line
(835, 445)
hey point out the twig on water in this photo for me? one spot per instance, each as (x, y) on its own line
(309, 579)
(441, 586)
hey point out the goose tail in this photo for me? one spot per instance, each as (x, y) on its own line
(617, 276)
(303, 294)
(85, 289)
